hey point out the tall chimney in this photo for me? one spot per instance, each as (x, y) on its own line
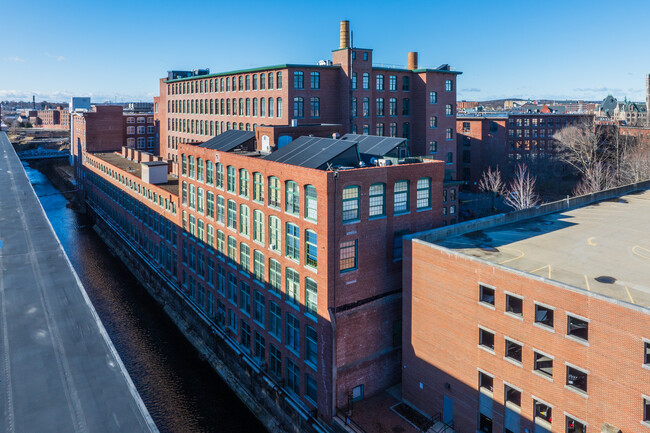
(345, 34)
(647, 99)
(33, 102)
(413, 60)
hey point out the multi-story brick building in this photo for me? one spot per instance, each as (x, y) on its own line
(418, 104)
(58, 118)
(481, 141)
(295, 255)
(538, 320)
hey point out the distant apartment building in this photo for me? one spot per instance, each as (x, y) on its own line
(536, 321)
(57, 118)
(466, 105)
(481, 142)
(294, 256)
(413, 103)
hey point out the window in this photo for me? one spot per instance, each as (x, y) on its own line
(219, 179)
(353, 107)
(433, 122)
(380, 82)
(543, 364)
(245, 257)
(576, 378)
(245, 334)
(365, 106)
(274, 233)
(348, 251)
(232, 214)
(377, 200)
(275, 276)
(449, 111)
(392, 107)
(398, 243)
(311, 346)
(311, 203)
(406, 107)
(260, 347)
(274, 192)
(392, 83)
(298, 107)
(449, 135)
(366, 81)
(298, 80)
(244, 220)
(243, 182)
(449, 86)
(433, 97)
(433, 146)
(512, 396)
(484, 423)
(354, 80)
(275, 320)
(293, 241)
(258, 226)
(259, 263)
(232, 250)
(232, 287)
(486, 338)
(292, 198)
(315, 80)
(311, 297)
(646, 409)
(544, 315)
(423, 193)
(275, 361)
(406, 83)
(574, 426)
(578, 328)
(351, 203)
(293, 377)
(279, 103)
(543, 411)
(293, 333)
(514, 305)
(258, 314)
(258, 187)
(486, 294)
(513, 350)
(311, 388)
(232, 179)
(380, 107)
(485, 382)
(401, 196)
(311, 248)
(646, 353)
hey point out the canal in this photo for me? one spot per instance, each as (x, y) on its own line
(182, 392)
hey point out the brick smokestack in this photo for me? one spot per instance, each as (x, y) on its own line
(33, 102)
(345, 34)
(413, 61)
(647, 99)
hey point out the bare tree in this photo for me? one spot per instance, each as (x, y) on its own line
(598, 177)
(492, 183)
(635, 164)
(580, 146)
(521, 190)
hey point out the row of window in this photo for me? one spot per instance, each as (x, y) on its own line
(140, 120)
(238, 182)
(225, 84)
(351, 206)
(204, 127)
(130, 130)
(535, 122)
(226, 107)
(142, 142)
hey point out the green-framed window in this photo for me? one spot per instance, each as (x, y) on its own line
(423, 193)
(275, 199)
(275, 242)
(348, 255)
(311, 248)
(232, 179)
(292, 286)
(401, 196)
(351, 203)
(219, 175)
(243, 182)
(259, 264)
(293, 241)
(377, 200)
(292, 193)
(244, 220)
(311, 203)
(258, 187)
(275, 276)
(311, 296)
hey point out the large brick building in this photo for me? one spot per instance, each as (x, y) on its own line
(415, 103)
(295, 255)
(537, 320)
(57, 118)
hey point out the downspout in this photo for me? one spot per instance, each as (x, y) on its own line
(333, 309)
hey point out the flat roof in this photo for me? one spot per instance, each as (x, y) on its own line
(228, 140)
(374, 145)
(603, 247)
(245, 71)
(58, 368)
(135, 169)
(312, 152)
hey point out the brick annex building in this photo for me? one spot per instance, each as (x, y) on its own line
(292, 258)
(414, 103)
(533, 321)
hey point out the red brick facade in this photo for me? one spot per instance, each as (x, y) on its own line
(481, 143)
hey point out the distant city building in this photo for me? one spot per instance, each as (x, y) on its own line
(466, 105)
(632, 113)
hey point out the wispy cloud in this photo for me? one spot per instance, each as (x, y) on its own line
(470, 89)
(65, 95)
(57, 58)
(15, 59)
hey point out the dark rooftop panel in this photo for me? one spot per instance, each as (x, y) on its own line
(374, 145)
(228, 140)
(311, 152)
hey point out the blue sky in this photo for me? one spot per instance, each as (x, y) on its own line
(119, 49)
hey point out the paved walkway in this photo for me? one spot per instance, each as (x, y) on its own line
(375, 416)
(59, 371)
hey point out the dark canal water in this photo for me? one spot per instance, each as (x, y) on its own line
(182, 393)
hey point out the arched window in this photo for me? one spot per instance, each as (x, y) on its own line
(274, 192)
(292, 197)
(311, 297)
(243, 182)
(298, 80)
(232, 179)
(298, 107)
(199, 169)
(401, 196)
(254, 107)
(271, 81)
(293, 241)
(311, 248)
(270, 107)
(279, 108)
(258, 187)
(315, 107)
(351, 203)
(209, 172)
(262, 81)
(279, 80)
(262, 107)
(311, 203)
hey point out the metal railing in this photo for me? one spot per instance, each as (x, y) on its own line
(349, 422)
(437, 418)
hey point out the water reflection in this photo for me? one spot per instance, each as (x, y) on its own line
(182, 393)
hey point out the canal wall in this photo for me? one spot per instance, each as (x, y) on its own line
(266, 400)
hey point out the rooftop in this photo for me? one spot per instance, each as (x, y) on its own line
(316, 152)
(603, 247)
(135, 168)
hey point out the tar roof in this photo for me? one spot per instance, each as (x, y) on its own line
(228, 140)
(602, 248)
(311, 152)
(374, 145)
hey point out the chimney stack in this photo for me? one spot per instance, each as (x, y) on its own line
(345, 34)
(33, 102)
(413, 61)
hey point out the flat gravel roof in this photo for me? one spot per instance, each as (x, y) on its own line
(603, 247)
(59, 371)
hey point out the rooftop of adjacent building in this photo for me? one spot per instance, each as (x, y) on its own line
(135, 168)
(602, 247)
(56, 357)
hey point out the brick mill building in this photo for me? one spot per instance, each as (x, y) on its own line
(293, 258)
(537, 320)
(413, 103)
